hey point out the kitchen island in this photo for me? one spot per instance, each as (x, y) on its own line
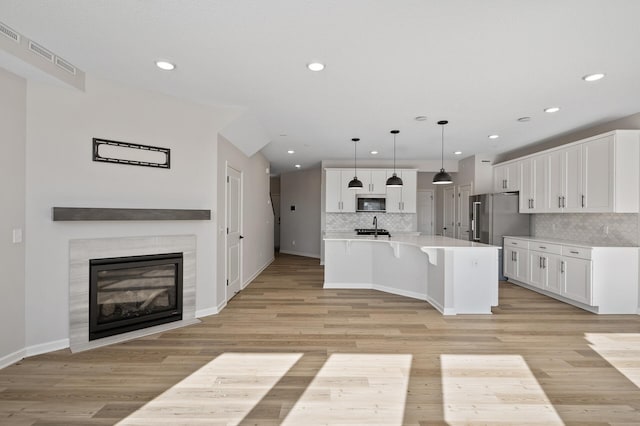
(455, 276)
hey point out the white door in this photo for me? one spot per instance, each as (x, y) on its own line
(275, 200)
(462, 230)
(234, 229)
(425, 212)
(449, 216)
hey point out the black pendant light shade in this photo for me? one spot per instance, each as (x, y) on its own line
(394, 180)
(442, 177)
(355, 183)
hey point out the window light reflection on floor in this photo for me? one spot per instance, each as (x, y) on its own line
(621, 350)
(355, 389)
(222, 392)
(491, 389)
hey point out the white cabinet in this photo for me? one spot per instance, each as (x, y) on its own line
(373, 181)
(338, 197)
(516, 261)
(602, 280)
(594, 175)
(576, 279)
(403, 199)
(506, 177)
(462, 212)
(544, 266)
(533, 193)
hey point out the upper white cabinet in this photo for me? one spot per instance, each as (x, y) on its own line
(338, 197)
(600, 174)
(533, 184)
(506, 177)
(403, 199)
(374, 181)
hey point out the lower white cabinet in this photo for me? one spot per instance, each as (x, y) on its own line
(602, 280)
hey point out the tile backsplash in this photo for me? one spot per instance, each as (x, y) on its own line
(592, 228)
(395, 222)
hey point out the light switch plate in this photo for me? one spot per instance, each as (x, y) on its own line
(17, 236)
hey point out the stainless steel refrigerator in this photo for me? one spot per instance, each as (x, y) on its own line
(494, 216)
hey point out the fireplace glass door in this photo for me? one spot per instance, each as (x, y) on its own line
(130, 293)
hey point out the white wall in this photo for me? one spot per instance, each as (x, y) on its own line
(61, 123)
(302, 189)
(12, 214)
(257, 214)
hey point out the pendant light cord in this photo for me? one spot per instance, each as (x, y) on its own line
(442, 150)
(355, 158)
(394, 153)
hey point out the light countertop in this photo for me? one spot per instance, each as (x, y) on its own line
(432, 241)
(571, 243)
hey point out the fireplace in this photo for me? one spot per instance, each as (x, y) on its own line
(134, 292)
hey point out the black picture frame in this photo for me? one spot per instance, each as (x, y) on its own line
(97, 142)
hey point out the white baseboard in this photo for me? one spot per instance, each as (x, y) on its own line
(207, 312)
(301, 253)
(258, 272)
(346, 286)
(12, 358)
(405, 293)
(43, 348)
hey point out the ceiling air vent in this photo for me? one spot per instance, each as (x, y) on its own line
(61, 63)
(41, 51)
(6, 31)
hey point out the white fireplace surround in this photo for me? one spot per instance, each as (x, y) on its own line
(82, 250)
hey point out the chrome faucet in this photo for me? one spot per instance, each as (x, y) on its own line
(375, 224)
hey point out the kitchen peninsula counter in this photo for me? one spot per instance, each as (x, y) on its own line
(455, 276)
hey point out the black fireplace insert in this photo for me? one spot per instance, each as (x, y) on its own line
(135, 292)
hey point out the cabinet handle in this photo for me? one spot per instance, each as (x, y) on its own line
(564, 204)
(542, 247)
(559, 202)
(540, 262)
(574, 252)
(515, 244)
(544, 262)
(562, 267)
(583, 201)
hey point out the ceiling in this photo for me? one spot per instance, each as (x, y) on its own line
(479, 64)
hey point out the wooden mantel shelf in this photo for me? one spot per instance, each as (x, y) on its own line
(94, 213)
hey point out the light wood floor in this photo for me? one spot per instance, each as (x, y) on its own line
(286, 351)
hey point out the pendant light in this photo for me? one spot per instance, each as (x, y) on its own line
(394, 181)
(355, 182)
(442, 177)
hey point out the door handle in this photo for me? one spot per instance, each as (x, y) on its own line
(474, 221)
(240, 237)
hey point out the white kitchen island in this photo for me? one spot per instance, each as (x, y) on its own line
(455, 276)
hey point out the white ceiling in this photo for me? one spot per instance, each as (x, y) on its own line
(479, 64)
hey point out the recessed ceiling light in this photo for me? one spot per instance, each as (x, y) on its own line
(291, 151)
(315, 66)
(552, 109)
(593, 77)
(164, 65)
(374, 152)
(298, 166)
(458, 152)
(494, 136)
(421, 118)
(524, 119)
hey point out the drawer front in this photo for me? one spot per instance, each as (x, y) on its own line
(578, 252)
(545, 247)
(512, 242)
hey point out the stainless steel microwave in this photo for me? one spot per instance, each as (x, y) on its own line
(370, 204)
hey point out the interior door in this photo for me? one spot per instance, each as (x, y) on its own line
(425, 212)
(449, 215)
(234, 231)
(462, 230)
(275, 199)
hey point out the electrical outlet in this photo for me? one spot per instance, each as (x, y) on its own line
(17, 236)
(293, 243)
(605, 229)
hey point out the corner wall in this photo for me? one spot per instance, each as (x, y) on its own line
(13, 114)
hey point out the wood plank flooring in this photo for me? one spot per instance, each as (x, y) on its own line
(285, 351)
